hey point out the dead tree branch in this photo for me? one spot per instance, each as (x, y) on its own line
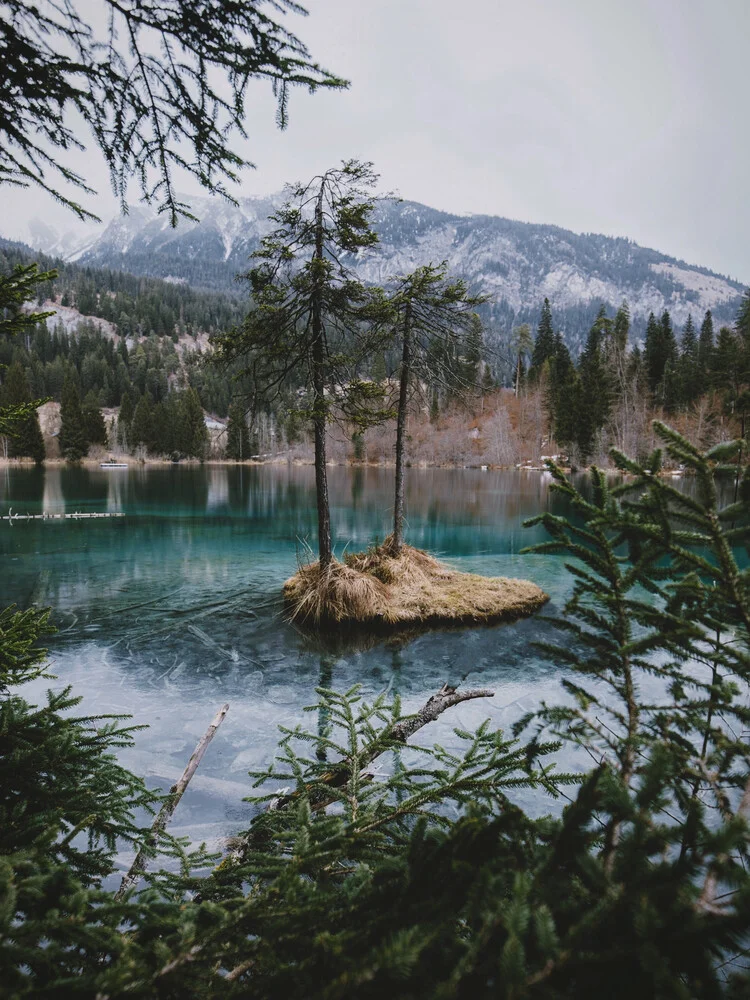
(166, 812)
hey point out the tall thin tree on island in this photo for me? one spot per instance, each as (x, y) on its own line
(432, 316)
(311, 316)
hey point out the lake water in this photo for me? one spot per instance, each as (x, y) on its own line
(175, 608)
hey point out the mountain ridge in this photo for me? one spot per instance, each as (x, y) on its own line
(516, 263)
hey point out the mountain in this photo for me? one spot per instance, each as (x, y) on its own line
(516, 263)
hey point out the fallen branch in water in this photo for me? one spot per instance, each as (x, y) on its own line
(166, 812)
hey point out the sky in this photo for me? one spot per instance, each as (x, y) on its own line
(623, 117)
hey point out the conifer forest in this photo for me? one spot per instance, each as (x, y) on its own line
(407, 650)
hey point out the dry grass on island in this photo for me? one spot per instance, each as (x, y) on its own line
(379, 588)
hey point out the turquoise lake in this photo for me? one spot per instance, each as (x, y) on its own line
(173, 609)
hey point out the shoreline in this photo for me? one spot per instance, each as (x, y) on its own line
(132, 463)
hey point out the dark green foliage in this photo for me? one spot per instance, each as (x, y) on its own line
(358, 444)
(174, 425)
(95, 428)
(64, 802)
(706, 349)
(544, 344)
(621, 327)
(137, 306)
(238, 439)
(18, 417)
(142, 431)
(26, 440)
(691, 383)
(562, 394)
(742, 324)
(125, 419)
(20, 658)
(661, 359)
(726, 368)
(161, 87)
(522, 345)
(595, 391)
(73, 441)
(191, 435)
(16, 287)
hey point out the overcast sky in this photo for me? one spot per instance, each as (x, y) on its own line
(625, 117)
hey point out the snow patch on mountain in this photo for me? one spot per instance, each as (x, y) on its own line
(711, 288)
(69, 318)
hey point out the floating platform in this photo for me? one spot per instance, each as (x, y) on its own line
(10, 516)
(113, 465)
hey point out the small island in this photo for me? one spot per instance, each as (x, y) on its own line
(388, 588)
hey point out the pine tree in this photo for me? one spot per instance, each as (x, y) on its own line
(621, 328)
(142, 432)
(430, 313)
(473, 353)
(310, 315)
(742, 324)
(661, 359)
(563, 392)
(691, 385)
(73, 442)
(26, 441)
(238, 439)
(164, 420)
(670, 388)
(726, 370)
(434, 406)
(16, 288)
(594, 396)
(95, 429)
(378, 370)
(742, 328)
(706, 349)
(193, 435)
(544, 344)
(125, 418)
(652, 354)
(522, 344)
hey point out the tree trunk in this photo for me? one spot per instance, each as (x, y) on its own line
(403, 399)
(319, 403)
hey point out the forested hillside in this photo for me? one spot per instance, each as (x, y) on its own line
(135, 346)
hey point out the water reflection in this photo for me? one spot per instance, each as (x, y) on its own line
(175, 608)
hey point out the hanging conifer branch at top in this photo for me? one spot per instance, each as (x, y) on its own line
(163, 88)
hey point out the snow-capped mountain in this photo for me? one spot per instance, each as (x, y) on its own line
(516, 263)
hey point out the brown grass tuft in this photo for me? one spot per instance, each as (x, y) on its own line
(381, 588)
